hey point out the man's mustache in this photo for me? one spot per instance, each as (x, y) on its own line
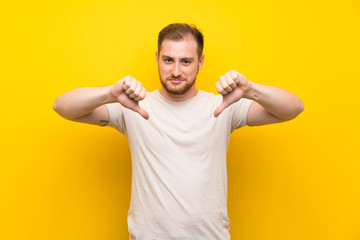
(176, 77)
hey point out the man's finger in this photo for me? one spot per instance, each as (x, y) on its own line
(132, 87)
(230, 80)
(220, 108)
(141, 96)
(224, 84)
(126, 83)
(235, 76)
(142, 112)
(220, 89)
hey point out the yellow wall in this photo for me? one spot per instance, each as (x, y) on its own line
(64, 180)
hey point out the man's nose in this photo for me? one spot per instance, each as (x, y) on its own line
(176, 72)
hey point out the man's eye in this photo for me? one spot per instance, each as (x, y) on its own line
(186, 62)
(168, 60)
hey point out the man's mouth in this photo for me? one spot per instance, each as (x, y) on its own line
(176, 80)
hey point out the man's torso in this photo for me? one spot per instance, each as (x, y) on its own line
(179, 183)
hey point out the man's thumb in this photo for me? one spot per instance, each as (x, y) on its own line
(220, 108)
(142, 112)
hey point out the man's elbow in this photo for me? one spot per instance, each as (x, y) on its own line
(301, 107)
(296, 110)
(57, 107)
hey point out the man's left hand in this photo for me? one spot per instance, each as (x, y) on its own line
(232, 86)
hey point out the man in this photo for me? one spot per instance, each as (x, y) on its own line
(178, 136)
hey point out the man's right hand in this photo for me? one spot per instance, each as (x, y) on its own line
(128, 92)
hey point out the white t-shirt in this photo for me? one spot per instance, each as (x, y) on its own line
(179, 177)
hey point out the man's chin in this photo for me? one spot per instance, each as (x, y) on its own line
(176, 91)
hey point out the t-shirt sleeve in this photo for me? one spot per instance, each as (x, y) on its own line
(116, 114)
(239, 111)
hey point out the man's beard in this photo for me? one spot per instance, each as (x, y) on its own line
(177, 89)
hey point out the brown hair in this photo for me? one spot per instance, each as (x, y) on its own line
(177, 32)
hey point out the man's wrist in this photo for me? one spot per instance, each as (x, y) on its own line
(251, 92)
(109, 97)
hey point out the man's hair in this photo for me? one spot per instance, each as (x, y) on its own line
(177, 32)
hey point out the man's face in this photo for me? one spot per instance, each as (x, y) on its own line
(178, 65)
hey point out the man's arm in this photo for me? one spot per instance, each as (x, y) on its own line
(271, 104)
(88, 104)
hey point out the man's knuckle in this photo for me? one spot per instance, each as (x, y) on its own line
(224, 92)
(223, 84)
(218, 88)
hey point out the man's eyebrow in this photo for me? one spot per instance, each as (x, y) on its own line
(188, 59)
(185, 58)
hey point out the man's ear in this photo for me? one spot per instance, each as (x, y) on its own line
(201, 61)
(157, 58)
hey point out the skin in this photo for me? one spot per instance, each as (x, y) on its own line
(271, 104)
(178, 65)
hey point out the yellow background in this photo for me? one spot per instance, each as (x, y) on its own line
(66, 180)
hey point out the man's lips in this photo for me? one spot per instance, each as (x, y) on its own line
(176, 80)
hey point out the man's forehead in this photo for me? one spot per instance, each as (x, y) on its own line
(186, 47)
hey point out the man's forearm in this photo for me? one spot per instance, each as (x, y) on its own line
(81, 101)
(279, 102)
